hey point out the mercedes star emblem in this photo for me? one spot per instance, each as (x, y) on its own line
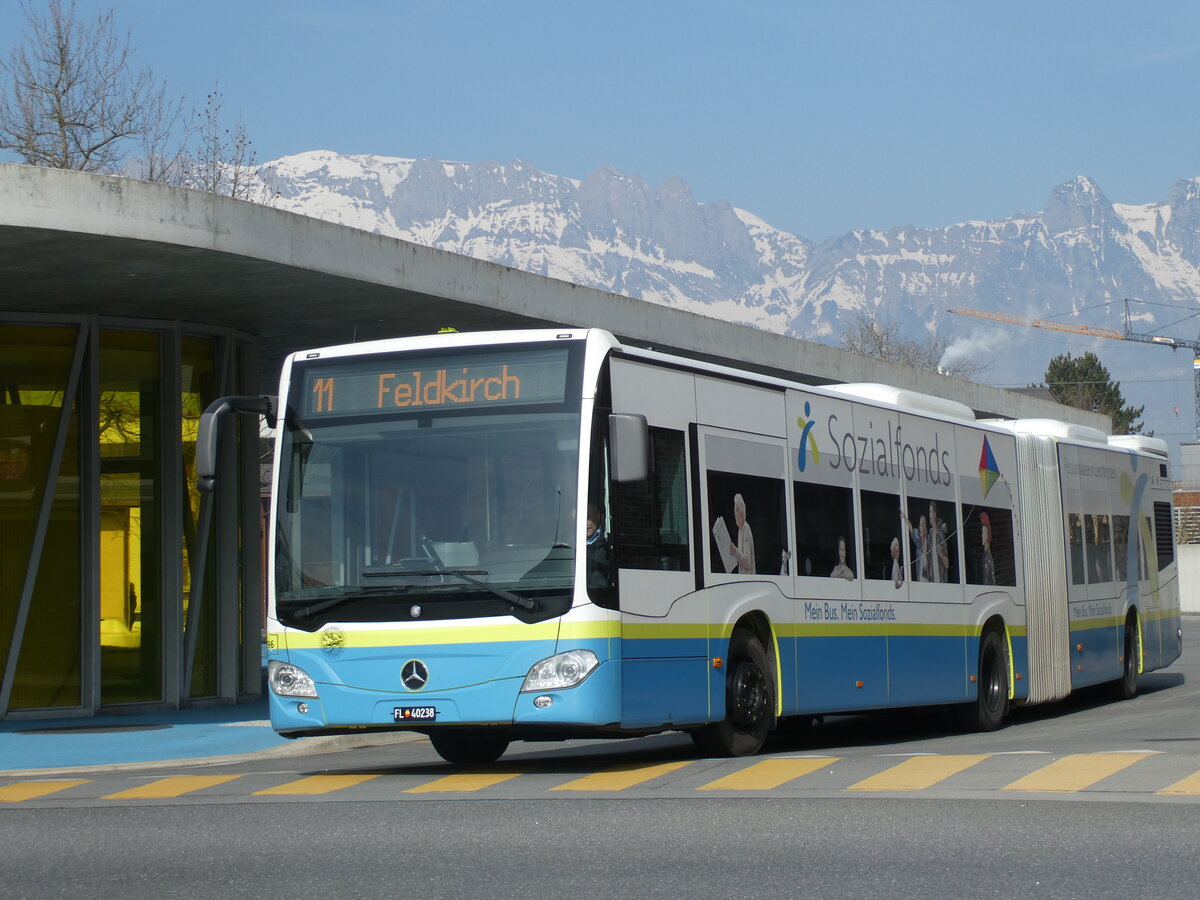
(414, 674)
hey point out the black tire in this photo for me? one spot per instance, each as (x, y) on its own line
(749, 702)
(1126, 687)
(990, 708)
(469, 747)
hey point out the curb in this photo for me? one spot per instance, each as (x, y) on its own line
(309, 746)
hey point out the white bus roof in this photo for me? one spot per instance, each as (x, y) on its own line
(1067, 431)
(909, 401)
(1140, 442)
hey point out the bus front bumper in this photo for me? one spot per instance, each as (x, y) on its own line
(338, 708)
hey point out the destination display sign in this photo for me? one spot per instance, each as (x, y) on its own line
(398, 383)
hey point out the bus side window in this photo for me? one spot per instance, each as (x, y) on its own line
(1120, 525)
(882, 528)
(825, 523)
(1075, 541)
(933, 539)
(988, 533)
(651, 526)
(1098, 543)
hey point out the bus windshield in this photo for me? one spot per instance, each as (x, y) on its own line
(440, 509)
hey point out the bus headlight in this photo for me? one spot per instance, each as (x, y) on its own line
(563, 670)
(287, 680)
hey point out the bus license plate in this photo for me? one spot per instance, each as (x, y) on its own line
(415, 713)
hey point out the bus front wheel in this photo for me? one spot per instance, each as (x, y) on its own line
(749, 702)
(988, 711)
(469, 747)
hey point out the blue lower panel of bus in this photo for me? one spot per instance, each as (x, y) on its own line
(1096, 654)
(927, 669)
(840, 673)
(667, 682)
(466, 685)
(846, 673)
(1020, 661)
(597, 701)
(1161, 642)
(666, 692)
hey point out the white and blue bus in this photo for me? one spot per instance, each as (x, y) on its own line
(538, 535)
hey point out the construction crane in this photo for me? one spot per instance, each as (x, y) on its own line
(1092, 331)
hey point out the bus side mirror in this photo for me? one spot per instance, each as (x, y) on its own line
(212, 422)
(630, 443)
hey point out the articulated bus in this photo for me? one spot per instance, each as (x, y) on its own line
(540, 535)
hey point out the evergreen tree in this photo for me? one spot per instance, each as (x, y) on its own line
(1084, 383)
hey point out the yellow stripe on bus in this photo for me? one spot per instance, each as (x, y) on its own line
(609, 630)
(1075, 772)
(408, 637)
(668, 630)
(895, 629)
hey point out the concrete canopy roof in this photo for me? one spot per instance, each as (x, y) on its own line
(78, 243)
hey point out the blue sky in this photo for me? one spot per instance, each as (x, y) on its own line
(818, 117)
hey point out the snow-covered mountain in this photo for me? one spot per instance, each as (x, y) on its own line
(616, 232)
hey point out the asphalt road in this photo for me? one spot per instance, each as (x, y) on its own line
(614, 848)
(1087, 798)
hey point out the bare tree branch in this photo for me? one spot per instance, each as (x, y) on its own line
(224, 156)
(163, 152)
(869, 335)
(70, 99)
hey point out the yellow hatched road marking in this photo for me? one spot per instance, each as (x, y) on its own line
(1075, 772)
(175, 786)
(918, 773)
(31, 790)
(618, 778)
(464, 782)
(768, 774)
(316, 784)
(1189, 786)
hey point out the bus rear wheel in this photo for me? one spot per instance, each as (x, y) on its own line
(749, 702)
(1126, 687)
(469, 747)
(988, 711)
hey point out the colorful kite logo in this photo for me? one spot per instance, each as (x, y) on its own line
(807, 435)
(989, 472)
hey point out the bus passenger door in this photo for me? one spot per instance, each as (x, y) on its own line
(747, 536)
(664, 632)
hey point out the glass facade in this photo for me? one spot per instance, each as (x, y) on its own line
(110, 554)
(197, 391)
(40, 518)
(131, 607)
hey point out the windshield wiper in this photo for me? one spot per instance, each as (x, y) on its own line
(466, 575)
(352, 596)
